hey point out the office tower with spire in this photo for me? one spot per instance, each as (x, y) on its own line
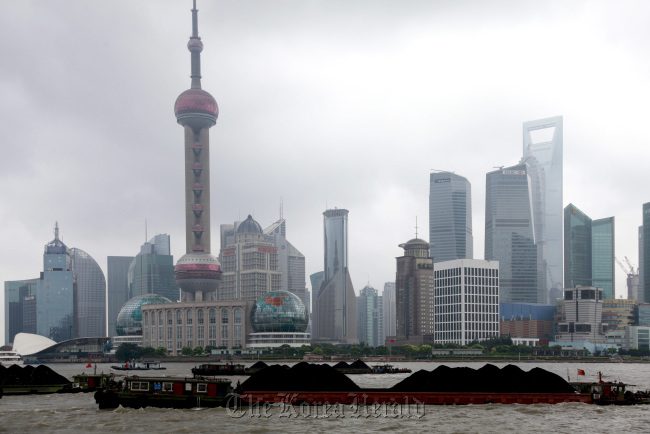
(334, 303)
(543, 152)
(414, 293)
(197, 272)
(510, 236)
(450, 217)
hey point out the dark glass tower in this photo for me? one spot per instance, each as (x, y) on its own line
(450, 217)
(197, 272)
(510, 234)
(588, 251)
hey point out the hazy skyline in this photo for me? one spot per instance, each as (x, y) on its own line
(322, 104)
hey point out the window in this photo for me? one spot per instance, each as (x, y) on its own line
(202, 388)
(139, 386)
(189, 317)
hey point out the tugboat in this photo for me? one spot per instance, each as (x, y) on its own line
(138, 366)
(164, 392)
(611, 392)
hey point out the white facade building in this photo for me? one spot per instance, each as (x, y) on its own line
(466, 301)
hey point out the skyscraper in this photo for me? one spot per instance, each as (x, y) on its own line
(370, 321)
(117, 288)
(291, 261)
(55, 293)
(250, 265)
(543, 150)
(414, 293)
(197, 272)
(588, 251)
(89, 295)
(510, 234)
(388, 299)
(450, 217)
(335, 310)
(17, 292)
(152, 270)
(644, 256)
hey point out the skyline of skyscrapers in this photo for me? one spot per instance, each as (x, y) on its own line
(450, 217)
(334, 317)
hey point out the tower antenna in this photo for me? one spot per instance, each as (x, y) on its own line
(416, 226)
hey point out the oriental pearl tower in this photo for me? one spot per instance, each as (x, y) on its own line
(197, 272)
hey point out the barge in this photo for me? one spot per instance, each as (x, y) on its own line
(214, 369)
(164, 392)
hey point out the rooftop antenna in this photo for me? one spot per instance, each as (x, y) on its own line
(145, 231)
(56, 230)
(281, 208)
(416, 226)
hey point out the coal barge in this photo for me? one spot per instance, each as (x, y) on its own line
(313, 384)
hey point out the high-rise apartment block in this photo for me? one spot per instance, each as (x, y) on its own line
(543, 152)
(510, 236)
(370, 318)
(450, 217)
(334, 316)
(414, 290)
(250, 266)
(466, 301)
(588, 251)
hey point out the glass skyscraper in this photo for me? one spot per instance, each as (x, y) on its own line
(588, 251)
(450, 217)
(118, 288)
(152, 270)
(335, 303)
(644, 257)
(89, 295)
(542, 150)
(510, 236)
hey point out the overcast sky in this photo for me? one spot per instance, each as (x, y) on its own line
(323, 104)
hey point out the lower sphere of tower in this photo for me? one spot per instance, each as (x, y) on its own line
(196, 108)
(197, 272)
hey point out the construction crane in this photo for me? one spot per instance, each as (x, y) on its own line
(631, 266)
(631, 270)
(632, 278)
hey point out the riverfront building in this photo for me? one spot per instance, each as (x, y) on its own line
(466, 301)
(450, 217)
(583, 310)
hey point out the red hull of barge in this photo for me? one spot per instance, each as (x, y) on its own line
(429, 398)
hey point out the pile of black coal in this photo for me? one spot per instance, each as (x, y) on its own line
(306, 377)
(359, 364)
(42, 375)
(489, 378)
(259, 365)
(342, 365)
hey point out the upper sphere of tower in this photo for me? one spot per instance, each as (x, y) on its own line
(196, 108)
(195, 45)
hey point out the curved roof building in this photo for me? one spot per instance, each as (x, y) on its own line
(129, 320)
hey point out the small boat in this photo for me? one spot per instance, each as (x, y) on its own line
(213, 369)
(164, 392)
(389, 369)
(10, 358)
(90, 382)
(139, 366)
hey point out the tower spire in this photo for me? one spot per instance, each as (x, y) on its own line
(195, 46)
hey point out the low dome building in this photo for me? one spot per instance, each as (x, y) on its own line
(279, 318)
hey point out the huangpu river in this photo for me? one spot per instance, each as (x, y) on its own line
(79, 413)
